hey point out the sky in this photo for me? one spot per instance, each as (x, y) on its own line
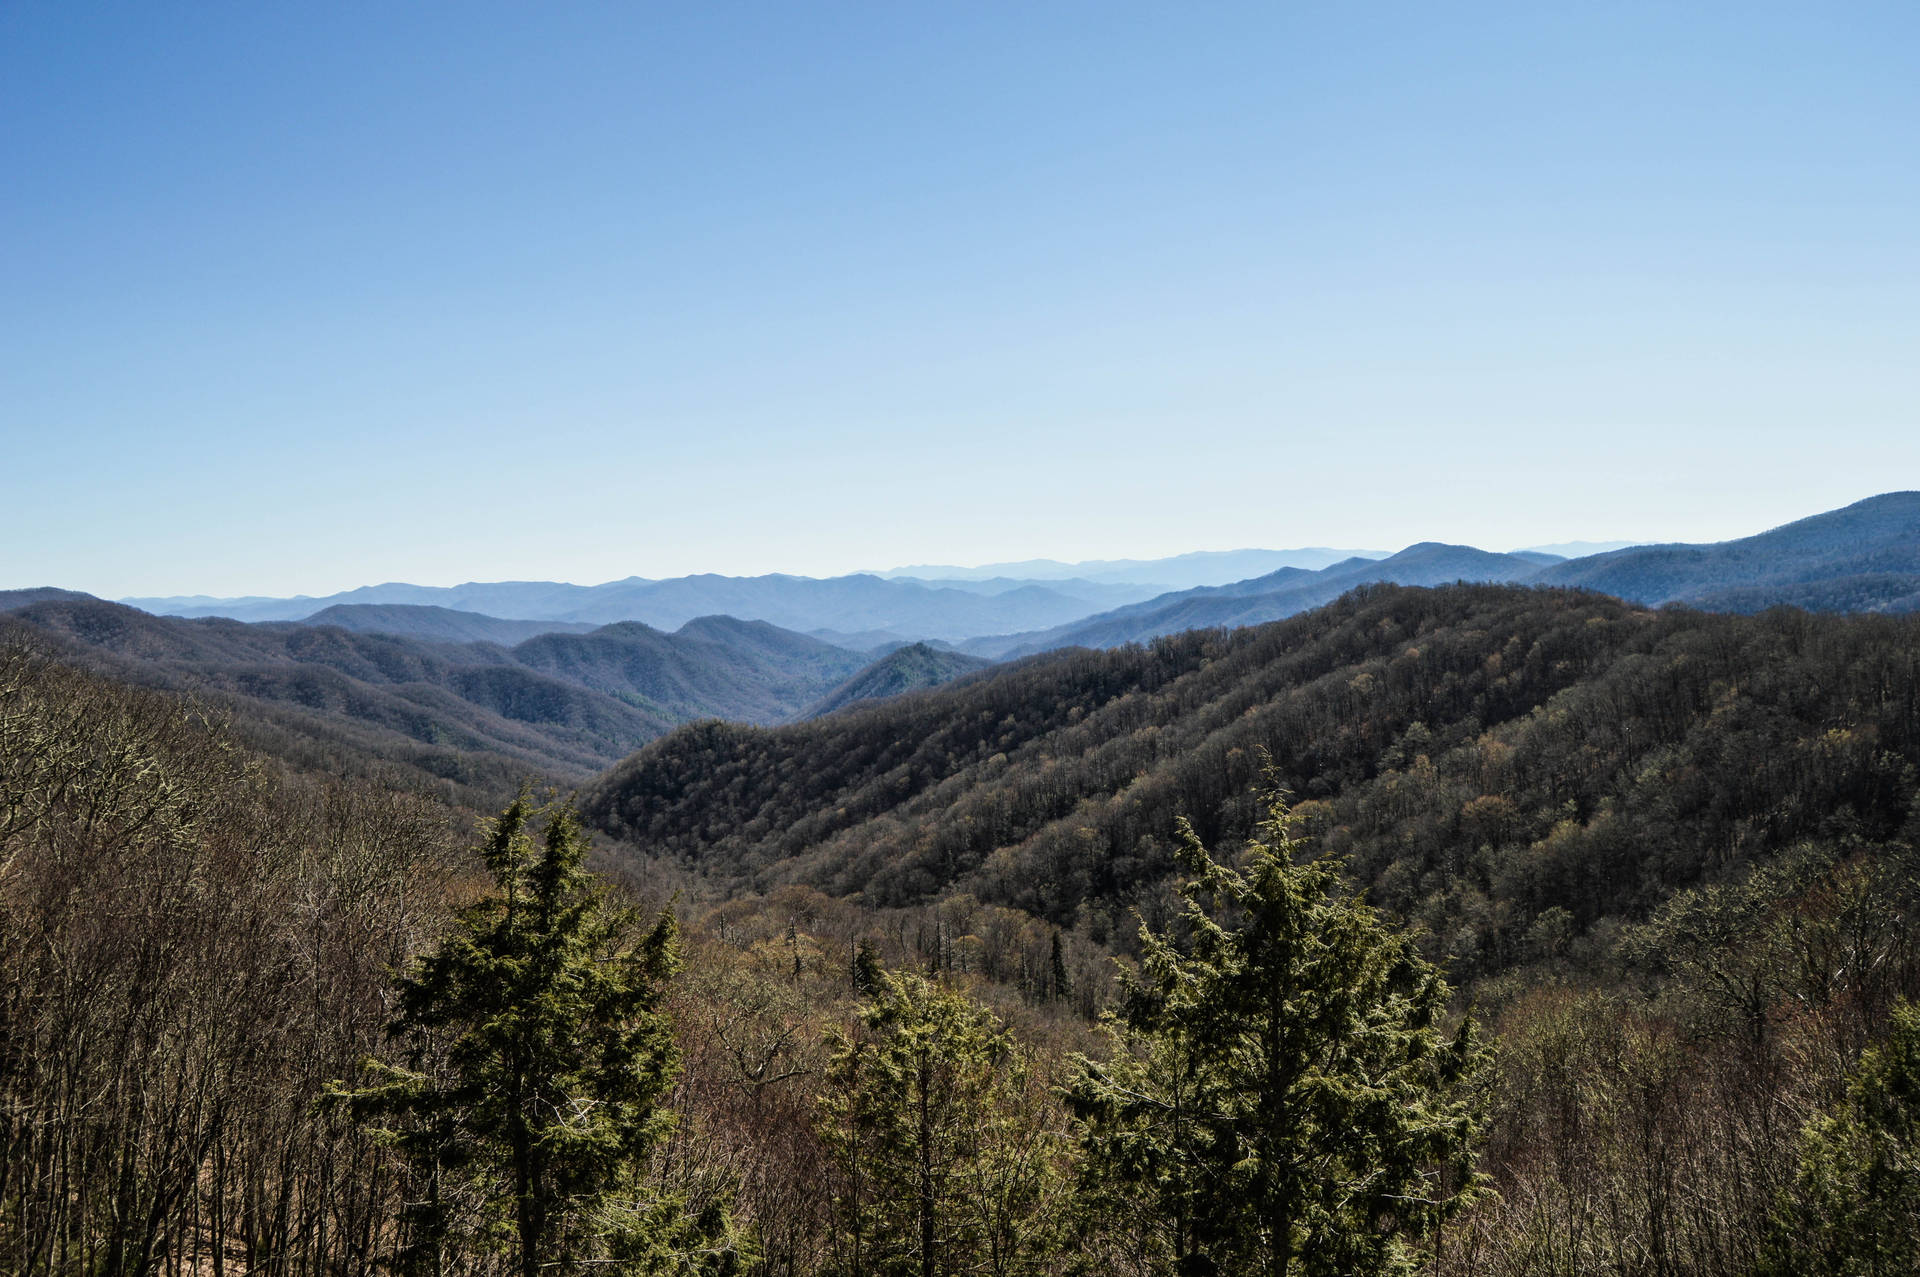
(299, 298)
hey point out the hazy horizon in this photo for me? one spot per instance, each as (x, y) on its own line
(906, 571)
(919, 571)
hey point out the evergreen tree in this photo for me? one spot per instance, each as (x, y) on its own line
(537, 1059)
(867, 969)
(944, 1161)
(1856, 1212)
(1059, 985)
(1282, 1098)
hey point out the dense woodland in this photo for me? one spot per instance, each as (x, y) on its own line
(880, 1002)
(469, 718)
(1483, 754)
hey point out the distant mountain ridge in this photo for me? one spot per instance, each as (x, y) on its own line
(558, 705)
(1273, 597)
(420, 620)
(1862, 558)
(849, 604)
(1180, 571)
(1865, 557)
(913, 668)
(1577, 549)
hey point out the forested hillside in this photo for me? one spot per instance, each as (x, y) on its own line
(479, 715)
(1485, 755)
(1670, 856)
(1667, 859)
(905, 669)
(12, 600)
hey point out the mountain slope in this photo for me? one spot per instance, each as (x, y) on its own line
(1483, 753)
(463, 712)
(559, 705)
(907, 669)
(1863, 557)
(10, 600)
(417, 620)
(712, 666)
(1272, 597)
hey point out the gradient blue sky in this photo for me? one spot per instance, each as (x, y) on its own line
(296, 301)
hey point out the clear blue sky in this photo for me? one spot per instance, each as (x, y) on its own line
(295, 301)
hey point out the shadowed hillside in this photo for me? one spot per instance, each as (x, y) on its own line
(440, 623)
(1483, 753)
(907, 669)
(558, 705)
(12, 600)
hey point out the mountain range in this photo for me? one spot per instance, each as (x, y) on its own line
(1181, 571)
(560, 681)
(441, 704)
(900, 609)
(1862, 558)
(1270, 597)
(1865, 557)
(421, 620)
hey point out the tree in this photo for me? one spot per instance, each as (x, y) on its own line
(866, 969)
(1059, 984)
(1856, 1211)
(945, 1162)
(1282, 1097)
(537, 1059)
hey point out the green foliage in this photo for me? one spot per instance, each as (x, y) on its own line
(1282, 1097)
(935, 1123)
(536, 1062)
(1856, 1208)
(867, 971)
(1059, 983)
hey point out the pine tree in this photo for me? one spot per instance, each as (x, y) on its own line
(1058, 982)
(536, 1062)
(866, 969)
(944, 1161)
(1282, 1098)
(1855, 1211)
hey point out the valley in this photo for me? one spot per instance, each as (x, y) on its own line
(1664, 835)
